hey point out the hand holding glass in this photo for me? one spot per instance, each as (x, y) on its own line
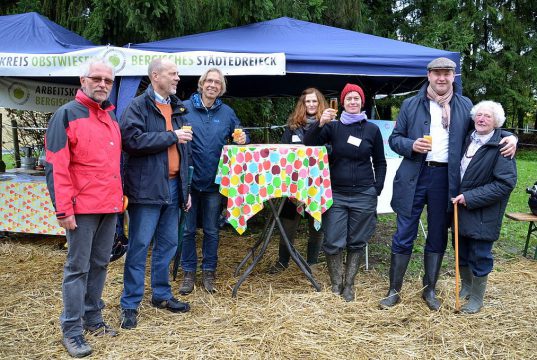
(237, 134)
(184, 134)
(429, 138)
(333, 103)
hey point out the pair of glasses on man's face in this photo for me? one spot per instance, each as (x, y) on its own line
(212, 81)
(98, 80)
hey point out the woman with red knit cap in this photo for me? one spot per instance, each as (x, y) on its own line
(357, 171)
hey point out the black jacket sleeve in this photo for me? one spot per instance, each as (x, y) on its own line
(316, 135)
(379, 162)
(137, 140)
(287, 136)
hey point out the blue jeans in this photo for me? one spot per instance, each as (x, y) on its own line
(476, 254)
(148, 222)
(209, 205)
(84, 272)
(432, 189)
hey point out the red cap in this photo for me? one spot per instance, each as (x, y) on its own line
(352, 87)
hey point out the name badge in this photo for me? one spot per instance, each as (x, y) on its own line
(354, 141)
(296, 138)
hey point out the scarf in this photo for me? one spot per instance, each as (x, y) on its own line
(348, 119)
(310, 120)
(443, 101)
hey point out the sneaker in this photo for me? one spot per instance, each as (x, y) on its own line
(128, 318)
(187, 285)
(172, 304)
(276, 268)
(77, 346)
(100, 329)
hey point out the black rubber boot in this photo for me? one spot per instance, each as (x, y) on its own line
(276, 268)
(314, 246)
(398, 266)
(431, 263)
(335, 270)
(351, 269)
(477, 292)
(290, 227)
(466, 282)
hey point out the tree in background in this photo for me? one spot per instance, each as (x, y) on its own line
(496, 38)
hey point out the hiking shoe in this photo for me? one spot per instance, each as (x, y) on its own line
(187, 286)
(208, 281)
(172, 304)
(128, 318)
(100, 329)
(276, 268)
(77, 346)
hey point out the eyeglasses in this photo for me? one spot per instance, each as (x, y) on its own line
(212, 81)
(97, 80)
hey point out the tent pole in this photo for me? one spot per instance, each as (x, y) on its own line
(2, 163)
(15, 132)
(267, 134)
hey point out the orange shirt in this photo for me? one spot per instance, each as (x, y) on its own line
(173, 153)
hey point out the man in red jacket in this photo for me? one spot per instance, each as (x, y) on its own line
(83, 149)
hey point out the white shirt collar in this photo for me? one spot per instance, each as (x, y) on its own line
(481, 139)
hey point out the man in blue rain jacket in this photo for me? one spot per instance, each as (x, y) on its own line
(213, 125)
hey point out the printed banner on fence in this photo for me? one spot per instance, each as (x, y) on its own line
(386, 128)
(131, 62)
(32, 95)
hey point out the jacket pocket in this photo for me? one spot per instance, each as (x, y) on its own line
(489, 215)
(80, 186)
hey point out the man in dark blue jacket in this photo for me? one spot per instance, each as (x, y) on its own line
(213, 125)
(155, 169)
(429, 173)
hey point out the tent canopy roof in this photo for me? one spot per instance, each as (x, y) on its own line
(32, 33)
(317, 49)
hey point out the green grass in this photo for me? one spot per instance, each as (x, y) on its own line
(9, 161)
(512, 236)
(513, 233)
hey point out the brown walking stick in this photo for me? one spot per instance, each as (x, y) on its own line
(457, 275)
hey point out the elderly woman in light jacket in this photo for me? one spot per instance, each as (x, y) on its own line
(487, 179)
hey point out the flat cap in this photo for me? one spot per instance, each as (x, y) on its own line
(442, 63)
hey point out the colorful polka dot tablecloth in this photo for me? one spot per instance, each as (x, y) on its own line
(251, 174)
(25, 207)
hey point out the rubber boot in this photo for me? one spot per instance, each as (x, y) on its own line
(398, 266)
(335, 270)
(431, 263)
(466, 282)
(187, 286)
(477, 292)
(351, 269)
(276, 268)
(314, 246)
(290, 226)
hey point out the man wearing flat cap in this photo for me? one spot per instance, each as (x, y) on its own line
(429, 173)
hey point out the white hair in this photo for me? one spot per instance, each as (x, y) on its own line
(494, 107)
(85, 68)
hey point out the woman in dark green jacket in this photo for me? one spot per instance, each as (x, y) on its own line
(487, 179)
